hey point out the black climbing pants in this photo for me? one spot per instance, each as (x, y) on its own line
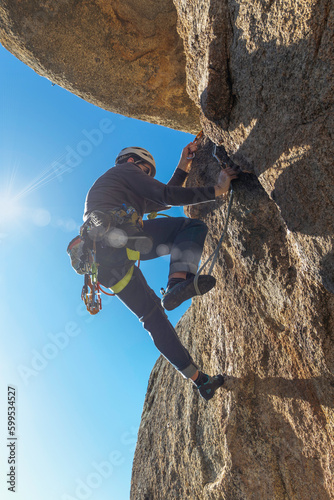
(183, 239)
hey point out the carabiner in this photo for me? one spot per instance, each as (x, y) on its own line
(197, 139)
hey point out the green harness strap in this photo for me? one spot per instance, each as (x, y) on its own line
(153, 215)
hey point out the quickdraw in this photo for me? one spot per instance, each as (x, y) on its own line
(91, 294)
(214, 255)
(92, 288)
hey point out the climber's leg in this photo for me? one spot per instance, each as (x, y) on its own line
(180, 237)
(183, 239)
(145, 304)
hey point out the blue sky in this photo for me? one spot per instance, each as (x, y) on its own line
(80, 381)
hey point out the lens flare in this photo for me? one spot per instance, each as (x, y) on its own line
(10, 209)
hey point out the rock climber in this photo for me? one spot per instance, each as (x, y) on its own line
(130, 185)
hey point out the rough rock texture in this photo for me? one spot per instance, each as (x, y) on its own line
(270, 326)
(262, 73)
(269, 323)
(124, 56)
(274, 90)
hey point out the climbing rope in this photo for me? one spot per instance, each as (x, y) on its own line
(100, 289)
(214, 255)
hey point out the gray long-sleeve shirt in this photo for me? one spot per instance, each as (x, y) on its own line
(127, 183)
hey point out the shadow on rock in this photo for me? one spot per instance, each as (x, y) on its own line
(327, 272)
(283, 96)
(317, 391)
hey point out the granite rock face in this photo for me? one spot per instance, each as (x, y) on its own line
(262, 73)
(268, 325)
(124, 56)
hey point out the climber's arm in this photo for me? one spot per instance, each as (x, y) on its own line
(186, 156)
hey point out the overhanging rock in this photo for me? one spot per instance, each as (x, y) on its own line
(124, 56)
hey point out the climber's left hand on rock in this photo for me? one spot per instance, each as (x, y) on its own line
(224, 180)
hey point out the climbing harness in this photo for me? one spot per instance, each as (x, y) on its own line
(214, 255)
(82, 252)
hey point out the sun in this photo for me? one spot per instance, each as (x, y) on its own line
(10, 209)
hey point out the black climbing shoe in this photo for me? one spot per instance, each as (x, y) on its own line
(184, 290)
(207, 389)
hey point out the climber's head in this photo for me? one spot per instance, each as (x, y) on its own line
(140, 157)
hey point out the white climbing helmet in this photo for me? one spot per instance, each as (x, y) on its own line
(142, 153)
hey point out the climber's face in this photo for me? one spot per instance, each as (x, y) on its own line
(143, 165)
(146, 167)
